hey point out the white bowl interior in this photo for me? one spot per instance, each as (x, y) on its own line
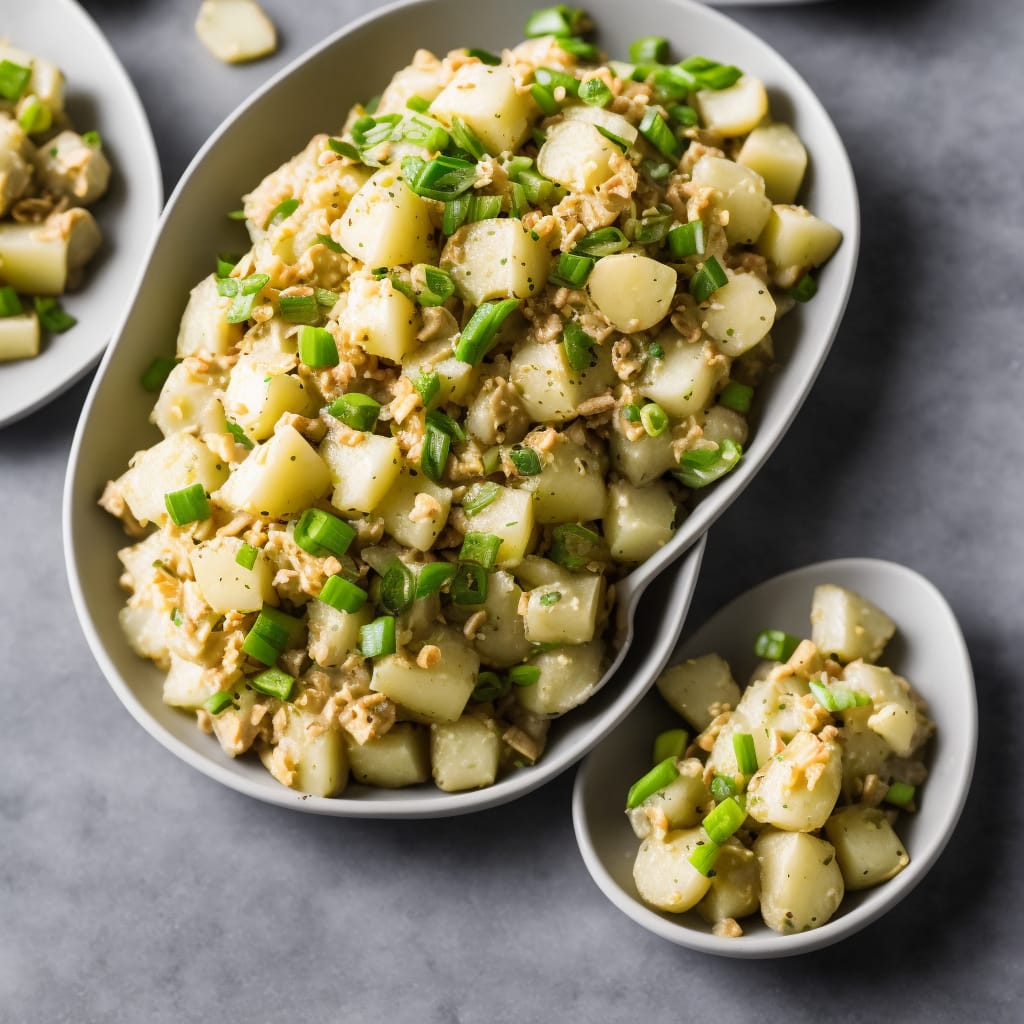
(928, 650)
(99, 96)
(313, 95)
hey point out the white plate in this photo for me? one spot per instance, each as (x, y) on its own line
(100, 96)
(928, 650)
(313, 95)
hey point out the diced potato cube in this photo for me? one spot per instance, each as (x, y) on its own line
(735, 110)
(455, 377)
(683, 802)
(227, 586)
(175, 463)
(510, 517)
(464, 754)
(867, 848)
(257, 398)
(644, 459)
(777, 154)
(795, 241)
(188, 402)
(634, 292)
(607, 119)
(16, 158)
(362, 474)
(44, 259)
(415, 510)
(282, 477)
(739, 314)
(638, 520)
(308, 757)
(501, 640)
(797, 789)
(534, 571)
(801, 884)
(682, 382)
(894, 715)
(401, 757)
(379, 318)
(496, 259)
(19, 336)
(577, 156)
(487, 99)
(846, 626)
(568, 676)
(187, 684)
(204, 328)
(386, 224)
(146, 630)
(570, 486)
(235, 31)
(552, 390)
(69, 166)
(424, 82)
(565, 613)
(333, 634)
(663, 874)
(693, 686)
(721, 424)
(735, 889)
(437, 694)
(739, 192)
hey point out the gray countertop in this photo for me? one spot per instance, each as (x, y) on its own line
(134, 889)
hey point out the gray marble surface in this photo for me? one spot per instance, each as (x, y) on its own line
(133, 889)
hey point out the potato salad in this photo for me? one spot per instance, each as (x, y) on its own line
(788, 796)
(484, 344)
(49, 175)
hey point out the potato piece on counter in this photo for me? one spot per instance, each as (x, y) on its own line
(801, 884)
(235, 31)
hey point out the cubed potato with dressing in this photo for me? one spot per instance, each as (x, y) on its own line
(227, 585)
(565, 612)
(739, 314)
(795, 241)
(464, 754)
(401, 757)
(801, 884)
(568, 676)
(638, 520)
(570, 487)
(777, 154)
(551, 389)
(496, 259)
(735, 110)
(486, 98)
(634, 292)
(204, 329)
(683, 381)
(415, 510)
(510, 517)
(847, 626)
(577, 156)
(379, 318)
(696, 685)
(663, 874)
(362, 473)
(257, 397)
(867, 848)
(739, 193)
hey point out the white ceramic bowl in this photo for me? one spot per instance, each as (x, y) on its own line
(928, 650)
(99, 96)
(313, 95)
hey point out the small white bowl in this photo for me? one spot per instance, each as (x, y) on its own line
(101, 97)
(928, 650)
(313, 95)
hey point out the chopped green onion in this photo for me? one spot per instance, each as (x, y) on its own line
(479, 496)
(10, 304)
(775, 644)
(418, 103)
(319, 533)
(707, 280)
(579, 48)
(655, 351)
(345, 149)
(704, 856)
(657, 778)
(603, 242)
(455, 213)
(281, 212)
(317, 346)
(837, 698)
(572, 270)
(657, 171)
(300, 309)
(325, 297)
(274, 683)
(683, 114)
(550, 598)
(483, 208)
(92, 139)
(176, 617)
(260, 649)
(403, 286)
(709, 74)
(631, 413)
(218, 702)
(736, 396)
(723, 821)
(723, 787)
(189, 505)
(545, 99)
(245, 294)
(805, 289)
(746, 754)
(478, 335)
(442, 178)
(489, 686)
(578, 347)
(526, 461)
(330, 243)
(397, 588)
(654, 419)
(671, 743)
(155, 375)
(517, 203)
(481, 548)
(469, 585)
(618, 140)
(14, 79)
(342, 594)
(428, 386)
(277, 628)
(466, 139)
(900, 794)
(553, 79)
(438, 286)
(703, 466)
(432, 577)
(51, 314)
(226, 262)
(240, 436)
(649, 50)
(655, 130)
(524, 675)
(35, 116)
(357, 411)
(491, 460)
(434, 452)
(595, 93)
(573, 546)
(652, 228)
(559, 20)
(426, 132)
(484, 56)
(246, 556)
(442, 421)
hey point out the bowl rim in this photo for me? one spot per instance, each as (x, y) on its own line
(675, 929)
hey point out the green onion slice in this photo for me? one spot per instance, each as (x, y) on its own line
(572, 270)
(524, 675)
(670, 744)
(442, 178)
(189, 505)
(283, 210)
(469, 585)
(709, 74)
(550, 598)
(260, 649)
(155, 375)
(278, 628)
(723, 821)
(489, 686)
(746, 754)
(479, 496)
(805, 289)
(657, 778)
(434, 453)
(438, 286)
(300, 309)
(226, 262)
(397, 588)
(355, 410)
(573, 546)
(218, 702)
(245, 294)
(526, 461)
(274, 683)
(595, 93)
(631, 413)
(649, 50)
(837, 698)
(704, 856)
(483, 208)
(428, 386)
(775, 644)
(14, 79)
(545, 99)
(736, 396)
(345, 149)
(683, 114)
(578, 347)
(317, 347)
(342, 594)
(10, 304)
(480, 548)
(479, 333)
(466, 139)
(246, 556)
(319, 533)
(377, 638)
(51, 314)
(654, 419)
(656, 131)
(723, 787)
(484, 56)
(579, 48)
(455, 213)
(900, 794)
(330, 243)
(432, 577)
(442, 421)
(559, 20)
(708, 279)
(704, 466)
(603, 242)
